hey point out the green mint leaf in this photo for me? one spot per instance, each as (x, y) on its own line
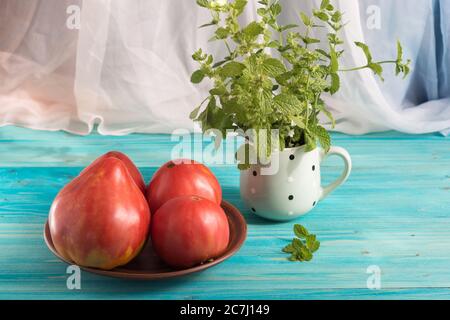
(310, 239)
(335, 83)
(198, 55)
(299, 122)
(306, 254)
(377, 69)
(315, 246)
(336, 17)
(289, 248)
(218, 91)
(253, 29)
(215, 118)
(406, 69)
(300, 231)
(275, 9)
(323, 52)
(321, 15)
(308, 40)
(288, 103)
(264, 99)
(323, 136)
(324, 4)
(197, 76)
(333, 38)
(334, 63)
(273, 67)
(366, 51)
(274, 44)
(222, 33)
(194, 113)
(400, 67)
(399, 52)
(305, 19)
(239, 6)
(293, 257)
(288, 26)
(297, 244)
(261, 12)
(232, 69)
(231, 106)
(203, 3)
(329, 7)
(283, 79)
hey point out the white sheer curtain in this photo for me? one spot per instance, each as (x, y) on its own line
(128, 66)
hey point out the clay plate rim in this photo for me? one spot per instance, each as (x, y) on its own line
(238, 234)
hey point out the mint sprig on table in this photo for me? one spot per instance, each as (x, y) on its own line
(303, 245)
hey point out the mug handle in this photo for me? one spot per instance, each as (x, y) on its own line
(341, 152)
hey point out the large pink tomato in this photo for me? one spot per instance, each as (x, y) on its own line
(189, 230)
(132, 169)
(101, 218)
(182, 178)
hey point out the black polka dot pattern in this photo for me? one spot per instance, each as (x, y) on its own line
(292, 157)
(313, 167)
(314, 203)
(291, 197)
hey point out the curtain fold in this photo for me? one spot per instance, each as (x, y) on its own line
(127, 68)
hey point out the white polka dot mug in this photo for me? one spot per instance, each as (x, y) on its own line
(290, 185)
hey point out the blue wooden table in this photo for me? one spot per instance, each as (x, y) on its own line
(392, 215)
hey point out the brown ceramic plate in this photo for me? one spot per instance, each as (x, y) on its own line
(147, 266)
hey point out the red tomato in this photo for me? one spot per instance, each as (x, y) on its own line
(189, 230)
(132, 169)
(101, 218)
(182, 178)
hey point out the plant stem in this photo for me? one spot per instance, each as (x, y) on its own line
(367, 66)
(307, 36)
(307, 102)
(228, 47)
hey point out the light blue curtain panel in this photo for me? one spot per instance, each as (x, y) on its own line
(421, 102)
(424, 29)
(423, 26)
